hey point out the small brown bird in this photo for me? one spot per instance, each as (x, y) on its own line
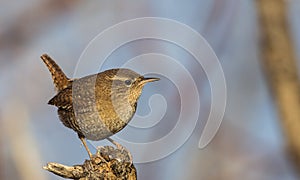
(99, 105)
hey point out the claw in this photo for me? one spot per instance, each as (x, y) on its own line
(121, 148)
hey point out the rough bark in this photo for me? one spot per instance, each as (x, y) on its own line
(278, 56)
(107, 164)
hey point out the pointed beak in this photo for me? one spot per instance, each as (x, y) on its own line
(146, 80)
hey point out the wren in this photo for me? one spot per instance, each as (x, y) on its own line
(99, 105)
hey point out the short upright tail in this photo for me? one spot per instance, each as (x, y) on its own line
(60, 80)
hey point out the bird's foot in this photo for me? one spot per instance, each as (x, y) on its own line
(122, 149)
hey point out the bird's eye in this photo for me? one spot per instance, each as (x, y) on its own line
(128, 82)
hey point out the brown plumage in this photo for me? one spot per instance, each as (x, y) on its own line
(99, 105)
(60, 80)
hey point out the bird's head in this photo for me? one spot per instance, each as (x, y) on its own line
(127, 83)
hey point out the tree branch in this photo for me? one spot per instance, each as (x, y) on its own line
(107, 163)
(278, 56)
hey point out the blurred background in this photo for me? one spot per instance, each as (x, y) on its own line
(250, 143)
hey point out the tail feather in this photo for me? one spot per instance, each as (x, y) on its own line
(60, 80)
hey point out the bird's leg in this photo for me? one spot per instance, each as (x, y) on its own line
(122, 148)
(82, 139)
